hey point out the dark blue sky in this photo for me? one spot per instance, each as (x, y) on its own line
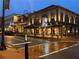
(23, 6)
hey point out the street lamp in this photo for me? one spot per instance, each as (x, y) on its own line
(5, 6)
(2, 47)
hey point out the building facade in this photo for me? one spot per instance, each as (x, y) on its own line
(11, 22)
(52, 21)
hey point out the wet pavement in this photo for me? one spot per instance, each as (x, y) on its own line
(47, 48)
(18, 39)
(72, 53)
(39, 47)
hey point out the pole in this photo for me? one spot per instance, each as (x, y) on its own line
(3, 47)
(26, 47)
(26, 51)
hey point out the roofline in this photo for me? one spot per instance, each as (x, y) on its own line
(13, 15)
(54, 6)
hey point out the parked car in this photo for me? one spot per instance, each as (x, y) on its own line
(9, 33)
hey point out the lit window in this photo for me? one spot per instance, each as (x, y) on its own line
(15, 18)
(45, 20)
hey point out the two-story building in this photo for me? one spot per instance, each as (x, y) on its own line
(10, 22)
(52, 21)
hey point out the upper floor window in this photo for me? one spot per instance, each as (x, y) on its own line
(61, 17)
(52, 22)
(72, 20)
(77, 20)
(53, 16)
(66, 18)
(44, 20)
(36, 21)
(20, 19)
(30, 21)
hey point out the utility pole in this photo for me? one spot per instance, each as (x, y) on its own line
(3, 47)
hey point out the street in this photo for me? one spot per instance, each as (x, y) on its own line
(72, 53)
(40, 48)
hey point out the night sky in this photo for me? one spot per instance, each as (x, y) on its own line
(23, 6)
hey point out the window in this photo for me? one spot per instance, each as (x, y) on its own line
(77, 20)
(53, 16)
(70, 29)
(66, 18)
(30, 21)
(72, 20)
(37, 31)
(44, 20)
(36, 21)
(61, 17)
(52, 22)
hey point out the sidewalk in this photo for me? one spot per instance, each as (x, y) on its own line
(12, 54)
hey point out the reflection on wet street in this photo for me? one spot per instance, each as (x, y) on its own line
(39, 50)
(38, 47)
(14, 40)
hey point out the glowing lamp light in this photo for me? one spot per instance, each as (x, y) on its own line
(68, 31)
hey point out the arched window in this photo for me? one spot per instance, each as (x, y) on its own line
(53, 16)
(52, 22)
(72, 20)
(36, 21)
(61, 17)
(77, 20)
(66, 18)
(44, 20)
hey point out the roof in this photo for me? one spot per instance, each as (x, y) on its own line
(54, 6)
(12, 15)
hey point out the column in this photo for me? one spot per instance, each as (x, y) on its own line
(32, 20)
(56, 15)
(33, 24)
(49, 19)
(64, 17)
(69, 19)
(40, 23)
(59, 19)
(74, 20)
(49, 16)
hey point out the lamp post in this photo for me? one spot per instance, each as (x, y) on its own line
(3, 47)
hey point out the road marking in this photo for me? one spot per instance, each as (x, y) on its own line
(58, 50)
(19, 44)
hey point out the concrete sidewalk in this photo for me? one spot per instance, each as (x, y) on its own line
(12, 54)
